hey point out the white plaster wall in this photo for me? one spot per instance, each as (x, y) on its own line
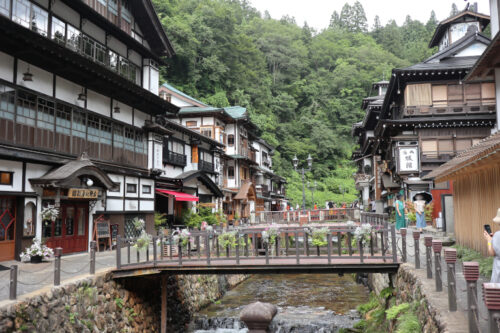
(197, 119)
(208, 121)
(94, 31)
(17, 182)
(495, 17)
(98, 103)
(34, 171)
(140, 118)
(42, 3)
(116, 179)
(125, 114)
(68, 91)
(151, 183)
(66, 13)
(131, 180)
(114, 205)
(42, 80)
(475, 49)
(171, 171)
(146, 205)
(132, 205)
(179, 102)
(6, 67)
(117, 46)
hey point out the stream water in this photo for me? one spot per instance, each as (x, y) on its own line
(307, 303)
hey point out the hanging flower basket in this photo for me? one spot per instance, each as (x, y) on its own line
(37, 252)
(50, 213)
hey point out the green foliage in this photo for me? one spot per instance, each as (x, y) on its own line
(194, 220)
(372, 304)
(160, 220)
(302, 88)
(393, 312)
(408, 323)
(119, 302)
(485, 263)
(319, 236)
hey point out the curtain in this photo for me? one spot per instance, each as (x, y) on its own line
(439, 95)
(488, 93)
(418, 95)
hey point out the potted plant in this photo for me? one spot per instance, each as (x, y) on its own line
(37, 252)
(50, 213)
(363, 234)
(236, 218)
(319, 238)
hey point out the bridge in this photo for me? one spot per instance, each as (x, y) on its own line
(276, 249)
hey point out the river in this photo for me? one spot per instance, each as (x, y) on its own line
(318, 303)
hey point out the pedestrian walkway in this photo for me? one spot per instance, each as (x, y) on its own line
(32, 277)
(456, 322)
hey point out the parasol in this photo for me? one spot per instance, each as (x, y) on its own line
(427, 196)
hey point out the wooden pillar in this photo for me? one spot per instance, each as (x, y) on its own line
(164, 304)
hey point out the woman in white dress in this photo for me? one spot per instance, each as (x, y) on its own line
(419, 205)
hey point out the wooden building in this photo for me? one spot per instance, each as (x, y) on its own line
(78, 85)
(429, 115)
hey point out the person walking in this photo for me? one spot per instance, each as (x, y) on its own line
(400, 213)
(419, 205)
(494, 249)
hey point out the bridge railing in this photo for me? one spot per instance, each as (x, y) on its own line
(374, 218)
(263, 246)
(300, 216)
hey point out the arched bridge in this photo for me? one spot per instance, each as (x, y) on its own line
(277, 249)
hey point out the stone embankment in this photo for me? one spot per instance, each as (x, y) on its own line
(101, 304)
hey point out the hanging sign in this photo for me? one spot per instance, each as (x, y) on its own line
(83, 193)
(408, 159)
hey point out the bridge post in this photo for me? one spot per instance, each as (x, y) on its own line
(306, 243)
(163, 304)
(490, 294)
(309, 216)
(198, 250)
(277, 245)
(171, 245)
(471, 274)
(266, 248)
(339, 243)
(180, 253)
(92, 257)
(437, 245)
(155, 252)
(329, 240)
(416, 239)
(119, 252)
(13, 282)
(207, 248)
(394, 245)
(450, 256)
(286, 243)
(297, 254)
(360, 246)
(161, 248)
(57, 266)
(246, 245)
(428, 255)
(217, 245)
(237, 248)
(128, 252)
(403, 238)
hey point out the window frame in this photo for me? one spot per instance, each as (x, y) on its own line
(11, 177)
(229, 137)
(229, 169)
(131, 185)
(149, 187)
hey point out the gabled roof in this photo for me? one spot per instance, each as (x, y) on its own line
(488, 60)
(460, 17)
(203, 178)
(482, 150)
(458, 46)
(179, 94)
(236, 112)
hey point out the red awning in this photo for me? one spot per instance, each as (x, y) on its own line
(179, 196)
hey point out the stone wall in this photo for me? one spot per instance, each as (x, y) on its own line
(100, 304)
(409, 289)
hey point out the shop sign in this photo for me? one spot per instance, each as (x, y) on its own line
(83, 193)
(408, 159)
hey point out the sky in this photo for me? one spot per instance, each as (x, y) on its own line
(317, 13)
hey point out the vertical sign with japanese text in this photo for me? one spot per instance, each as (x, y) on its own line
(408, 159)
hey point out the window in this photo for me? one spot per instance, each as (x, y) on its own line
(418, 95)
(45, 119)
(130, 229)
(429, 148)
(39, 20)
(5, 7)
(131, 188)
(488, 93)
(113, 11)
(207, 131)
(6, 178)
(100, 53)
(439, 95)
(126, 22)
(455, 95)
(73, 38)
(58, 30)
(230, 140)
(7, 102)
(21, 12)
(88, 46)
(473, 93)
(230, 172)
(26, 113)
(113, 60)
(29, 225)
(442, 186)
(192, 123)
(79, 125)
(146, 189)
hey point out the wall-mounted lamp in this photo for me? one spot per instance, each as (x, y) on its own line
(28, 76)
(116, 109)
(82, 96)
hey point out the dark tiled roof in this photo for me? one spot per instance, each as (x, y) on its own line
(483, 149)
(446, 64)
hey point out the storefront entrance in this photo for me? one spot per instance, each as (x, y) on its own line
(70, 230)
(7, 228)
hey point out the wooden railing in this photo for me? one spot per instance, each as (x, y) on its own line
(374, 218)
(250, 248)
(300, 216)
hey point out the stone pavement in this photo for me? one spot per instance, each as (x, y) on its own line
(32, 277)
(456, 322)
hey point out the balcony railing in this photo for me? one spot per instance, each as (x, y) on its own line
(437, 157)
(448, 110)
(169, 157)
(206, 166)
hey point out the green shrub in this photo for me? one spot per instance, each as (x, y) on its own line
(485, 263)
(408, 323)
(393, 312)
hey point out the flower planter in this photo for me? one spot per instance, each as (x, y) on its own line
(35, 259)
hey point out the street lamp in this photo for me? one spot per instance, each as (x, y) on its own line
(309, 167)
(312, 188)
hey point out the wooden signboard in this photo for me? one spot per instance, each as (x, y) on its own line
(102, 232)
(83, 193)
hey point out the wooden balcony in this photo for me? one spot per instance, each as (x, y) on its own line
(205, 166)
(416, 111)
(437, 157)
(169, 157)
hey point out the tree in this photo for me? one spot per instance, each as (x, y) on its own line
(454, 10)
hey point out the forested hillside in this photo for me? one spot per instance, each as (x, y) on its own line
(302, 87)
